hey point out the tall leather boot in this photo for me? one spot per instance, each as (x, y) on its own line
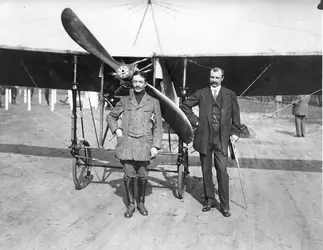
(130, 187)
(142, 184)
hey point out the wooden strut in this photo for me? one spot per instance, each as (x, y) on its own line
(101, 139)
(93, 121)
(74, 116)
(154, 71)
(81, 113)
(183, 95)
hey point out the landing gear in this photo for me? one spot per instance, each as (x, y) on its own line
(182, 169)
(182, 161)
(81, 168)
(181, 181)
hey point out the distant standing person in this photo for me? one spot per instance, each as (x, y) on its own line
(1, 90)
(137, 140)
(47, 96)
(278, 101)
(14, 91)
(300, 111)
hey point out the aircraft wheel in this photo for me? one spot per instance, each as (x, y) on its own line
(80, 169)
(181, 181)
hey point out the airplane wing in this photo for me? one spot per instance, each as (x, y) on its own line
(178, 28)
(55, 70)
(286, 75)
(244, 37)
(46, 70)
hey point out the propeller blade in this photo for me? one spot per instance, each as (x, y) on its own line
(170, 91)
(173, 115)
(82, 36)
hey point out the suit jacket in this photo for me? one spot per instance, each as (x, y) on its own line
(300, 107)
(230, 117)
(138, 135)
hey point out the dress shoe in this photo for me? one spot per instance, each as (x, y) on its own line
(130, 210)
(208, 206)
(226, 212)
(142, 209)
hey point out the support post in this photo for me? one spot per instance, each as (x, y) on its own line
(7, 99)
(25, 95)
(52, 102)
(29, 99)
(39, 96)
(70, 98)
(9, 96)
(55, 96)
(101, 140)
(154, 72)
(183, 96)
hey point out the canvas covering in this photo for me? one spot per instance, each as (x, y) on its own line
(170, 27)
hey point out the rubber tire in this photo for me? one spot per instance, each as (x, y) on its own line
(78, 182)
(181, 188)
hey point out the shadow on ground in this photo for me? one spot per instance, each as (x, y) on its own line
(284, 132)
(118, 184)
(251, 163)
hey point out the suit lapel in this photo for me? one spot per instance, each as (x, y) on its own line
(225, 97)
(207, 99)
(221, 94)
(225, 101)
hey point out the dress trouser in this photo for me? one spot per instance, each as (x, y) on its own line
(300, 125)
(220, 163)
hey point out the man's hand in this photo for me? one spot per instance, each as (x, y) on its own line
(153, 152)
(234, 138)
(119, 132)
(195, 127)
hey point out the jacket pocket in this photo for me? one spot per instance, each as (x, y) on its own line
(119, 150)
(119, 141)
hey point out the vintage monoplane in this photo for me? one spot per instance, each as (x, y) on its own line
(266, 48)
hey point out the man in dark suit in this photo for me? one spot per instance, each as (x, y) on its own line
(218, 121)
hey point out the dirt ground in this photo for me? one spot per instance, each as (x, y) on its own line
(40, 208)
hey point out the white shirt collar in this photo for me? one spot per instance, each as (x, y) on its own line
(216, 89)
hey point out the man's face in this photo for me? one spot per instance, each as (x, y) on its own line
(216, 78)
(138, 83)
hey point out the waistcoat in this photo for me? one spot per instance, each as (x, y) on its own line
(216, 116)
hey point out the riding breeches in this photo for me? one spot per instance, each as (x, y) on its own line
(134, 169)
